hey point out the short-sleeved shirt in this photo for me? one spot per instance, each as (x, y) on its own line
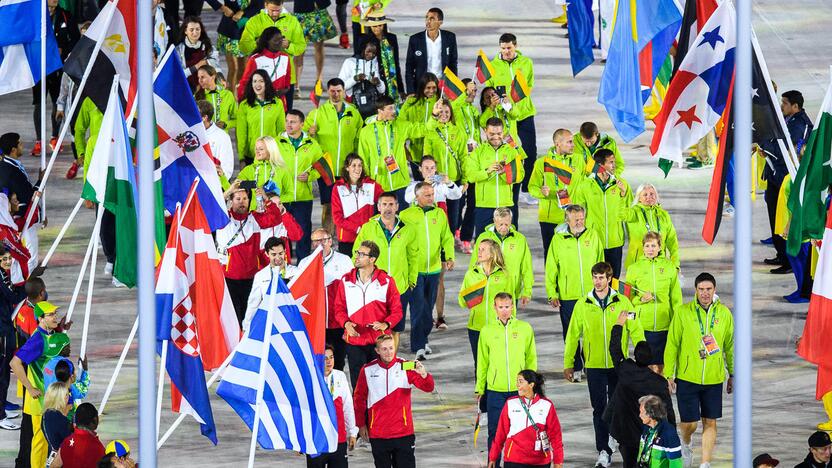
(35, 353)
(82, 449)
(25, 320)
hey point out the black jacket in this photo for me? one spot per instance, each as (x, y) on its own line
(309, 6)
(228, 27)
(416, 63)
(10, 296)
(634, 382)
(66, 31)
(809, 462)
(394, 44)
(800, 127)
(14, 180)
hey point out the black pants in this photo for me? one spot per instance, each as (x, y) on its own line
(7, 345)
(482, 218)
(629, 453)
(399, 452)
(290, 97)
(336, 459)
(613, 257)
(771, 194)
(356, 35)
(528, 139)
(107, 236)
(239, 291)
(547, 232)
(24, 454)
(345, 248)
(566, 309)
(335, 337)
(601, 384)
(192, 8)
(466, 231)
(341, 14)
(53, 88)
(453, 214)
(357, 356)
(515, 208)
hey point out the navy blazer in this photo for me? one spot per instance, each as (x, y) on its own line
(416, 63)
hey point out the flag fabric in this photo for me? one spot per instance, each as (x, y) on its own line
(484, 68)
(651, 59)
(519, 87)
(111, 180)
(722, 166)
(558, 169)
(308, 288)
(659, 91)
(620, 91)
(696, 14)
(450, 85)
(814, 343)
(593, 167)
(325, 168)
(118, 55)
(511, 169)
(563, 198)
(184, 153)
(626, 289)
(698, 94)
(20, 46)
(473, 295)
(814, 175)
(296, 409)
(580, 26)
(316, 93)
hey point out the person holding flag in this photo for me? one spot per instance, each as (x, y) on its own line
(447, 144)
(418, 108)
(645, 216)
(588, 140)
(339, 388)
(467, 117)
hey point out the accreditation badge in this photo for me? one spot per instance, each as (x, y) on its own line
(710, 345)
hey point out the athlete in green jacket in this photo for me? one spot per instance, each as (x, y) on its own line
(490, 166)
(298, 151)
(658, 294)
(257, 119)
(467, 115)
(89, 119)
(506, 346)
(574, 250)
(335, 125)
(481, 284)
(274, 16)
(506, 65)
(267, 167)
(447, 143)
(589, 140)
(419, 109)
(223, 100)
(516, 253)
(507, 112)
(648, 216)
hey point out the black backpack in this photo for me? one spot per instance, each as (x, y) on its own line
(364, 96)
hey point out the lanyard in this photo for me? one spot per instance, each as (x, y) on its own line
(275, 63)
(257, 173)
(239, 230)
(390, 139)
(647, 221)
(332, 384)
(699, 319)
(647, 451)
(467, 114)
(216, 101)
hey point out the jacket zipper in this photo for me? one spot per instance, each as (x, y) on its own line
(604, 316)
(427, 234)
(655, 299)
(606, 221)
(338, 156)
(261, 119)
(580, 264)
(295, 182)
(508, 374)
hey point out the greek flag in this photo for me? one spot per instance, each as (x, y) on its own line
(295, 407)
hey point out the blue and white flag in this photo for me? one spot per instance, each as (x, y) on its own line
(296, 411)
(20, 45)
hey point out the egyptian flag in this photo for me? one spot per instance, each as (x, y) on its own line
(118, 55)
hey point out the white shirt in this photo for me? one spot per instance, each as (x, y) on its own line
(434, 51)
(259, 287)
(354, 66)
(221, 148)
(441, 192)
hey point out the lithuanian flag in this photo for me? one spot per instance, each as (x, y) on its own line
(559, 169)
(593, 167)
(484, 68)
(626, 289)
(519, 87)
(473, 295)
(315, 94)
(451, 86)
(512, 170)
(325, 168)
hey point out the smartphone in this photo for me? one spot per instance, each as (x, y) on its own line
(631, 315)
(248, 184)
(501, 91)
(408, 365)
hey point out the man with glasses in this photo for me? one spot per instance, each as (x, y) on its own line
(336, 265)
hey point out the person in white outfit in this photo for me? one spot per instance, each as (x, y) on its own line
(276, 251)
(444, 189)
(218, 139)
(362, 66)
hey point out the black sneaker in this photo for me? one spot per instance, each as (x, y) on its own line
(781, 270)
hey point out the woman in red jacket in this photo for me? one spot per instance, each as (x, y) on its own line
(354, 198)
(528, 428)
(269, 56)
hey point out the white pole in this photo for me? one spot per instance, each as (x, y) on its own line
(118, 365)
(84, 264)
(264, 356)
(61, 234)
(88, 305)
(160, 392)
(44, 17)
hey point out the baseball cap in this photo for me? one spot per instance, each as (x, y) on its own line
(765, 459)
(819, 439)
(42, 308)
(117, 447)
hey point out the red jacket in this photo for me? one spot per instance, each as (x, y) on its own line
(382, 398)
(238, 243)
(288, 228)
(350, 210)
(277, 64)
(520, 438)
(377, 301)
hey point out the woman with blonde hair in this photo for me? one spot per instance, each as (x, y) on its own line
(647, 215)
(267, 169)
(55, 423)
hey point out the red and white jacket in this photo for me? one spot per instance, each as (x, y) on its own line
(336, 265)
(238, 243)
(516, 432)
(350, 210)
(277, 64)
(382, 398)
(339, 386)
(362, 304)
(288, 228)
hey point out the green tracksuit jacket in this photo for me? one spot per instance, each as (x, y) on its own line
(337, 134)
(604, 141)
(549, 210)
(492, 190)
(378, 140)
(606, 208)
(690, 324)
(504, 72)
(498, 281)
(516, 254)
(639, 220)
(257, 120)
(433, 236)
(298, 161)
(569, 263)
(503, 351)
(659, 277)
(398, 253)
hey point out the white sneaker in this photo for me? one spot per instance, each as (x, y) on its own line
(526, 198)
(427, 349)
(118, 284)
(420, 355)
(12, 414)
(728, 211)
(687, 455)
(108, 269)
(705, 465)
(577, 376)
(604, 460)
(613, 444)
(9, 425)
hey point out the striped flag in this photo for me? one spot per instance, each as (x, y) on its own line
(325, 168)
(512, 169)
(316, 93)
(814, 344)
(593, 167)
(450, 85)
(519, 87)
(626, 289)
(295, 408)
(484, 68)
(473, 295)
(559, 169)
(20, 46)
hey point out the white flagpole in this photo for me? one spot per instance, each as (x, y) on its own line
(61, 234)
(120, 363)
(264, 356)
(44, 17)
(160, 391)
(84, 264)
(88, 305)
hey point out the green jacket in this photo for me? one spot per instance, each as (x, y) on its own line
(398, 254)
(492, 190)
(504, 74)
(487, 286)
(297, 162)
(606, 208)
(516, 254)
(509, 123)
(659, 277)
(288, 25)
(640, 219)
(225, 107)
(594, 325)
(604, 141)
(337, 135)
(569, 263)
(255, 121)
(549, 209)
(89, 118)
(684, 340)
(503, 351)
(262, 172)
(467, 117)
(448, 144)
(433, 236)
(378, 140)
(417, 112)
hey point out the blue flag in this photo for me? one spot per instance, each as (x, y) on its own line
(20, 46)
(637, 22)
(580, 27)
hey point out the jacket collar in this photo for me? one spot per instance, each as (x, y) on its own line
(614, 296)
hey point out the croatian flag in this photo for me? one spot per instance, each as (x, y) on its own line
(295, 406)
(698, 93)
(20, 45)
(183, 144)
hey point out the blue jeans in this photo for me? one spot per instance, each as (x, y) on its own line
(528, 139)
(421, 312)
(613, 257)
(482, 218)
(566, 308)
(302, 212)
(496, 401)
(601, 384)
(405, 300)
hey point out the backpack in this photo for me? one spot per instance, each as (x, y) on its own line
(364, 96)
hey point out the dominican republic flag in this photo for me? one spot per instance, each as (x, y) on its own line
(814, 344)
(115, 29)
(308, 288)
(184, 153)
(698, 94)
(194, 312)
(20, 45)
(273, 373)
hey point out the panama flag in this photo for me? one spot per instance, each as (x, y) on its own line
(308, 287)
(698, 93)
(20, 46)
(183, 145)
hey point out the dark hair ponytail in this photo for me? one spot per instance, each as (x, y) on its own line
(533, 377)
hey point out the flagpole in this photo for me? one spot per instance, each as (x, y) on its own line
(742, 241)
(84, 264)
(88, 305)
(44, 16)
(120, 363)
(264, 357)
(61, 234)
(160, 391)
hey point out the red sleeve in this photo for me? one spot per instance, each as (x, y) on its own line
(555, 435)
(424, 384)
(270, 217)
(293, 230)
(341, 305)
(251, 65)
(394, 304)
(338, 212)
(500, 436)
(359, 400)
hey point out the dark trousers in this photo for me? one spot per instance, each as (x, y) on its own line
(770, 196)
(398, 452)
(454, 207)
(515, 208)
(336, 459)
(566, 308)
(613, 257)
(482, 218)
(53, 88)
(107, 236)
(403, 204)
(629, 453)
(466, 232)
(601, 384)
(801, 267)
(290, 98)
(422, 301)
(356, 34)
(528, 138)
(405, 300)
(24, 454)
(192, 8)
(239, 291)
(335, 337)
(345, 248)
(357, 356)
(496, 401)
(341, 14)
(547, 232)
(302, 212)
(474, 340)
(7, 345)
